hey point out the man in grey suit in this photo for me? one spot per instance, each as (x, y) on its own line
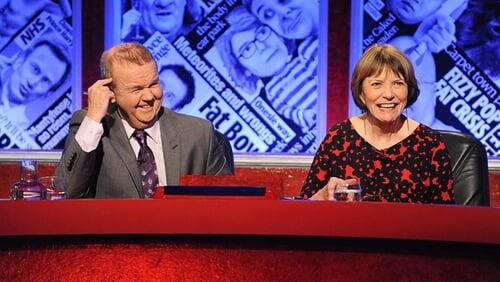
(103, 156)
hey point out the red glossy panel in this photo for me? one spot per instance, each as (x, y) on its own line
(195, 215)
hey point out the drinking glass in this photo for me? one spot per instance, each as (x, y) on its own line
(347, 192)
(54, 187)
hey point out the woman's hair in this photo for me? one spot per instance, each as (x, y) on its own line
(129, 52)
(377, 59)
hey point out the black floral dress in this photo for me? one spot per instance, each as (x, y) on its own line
(415, 170)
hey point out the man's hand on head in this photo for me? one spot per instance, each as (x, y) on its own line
(99, 97)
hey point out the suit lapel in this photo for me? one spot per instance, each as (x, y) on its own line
(119, 141)
(171, 148)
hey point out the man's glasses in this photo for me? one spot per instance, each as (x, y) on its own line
(249, 48)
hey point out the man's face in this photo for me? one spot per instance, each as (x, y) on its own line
(293, 19)
(260, 51)
(413, 11)
(36, 75)
(137, 92)
(174, 89)
(16, 13)
(166, 16)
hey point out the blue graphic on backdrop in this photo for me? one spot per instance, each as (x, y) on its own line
(254, 77)
(35, 73)
(453, 45)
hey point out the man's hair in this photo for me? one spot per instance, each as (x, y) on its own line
(129, 52)
(379, 58)
(187, 78)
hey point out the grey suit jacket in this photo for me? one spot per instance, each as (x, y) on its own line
(111, 170)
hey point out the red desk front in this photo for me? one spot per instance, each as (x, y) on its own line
(244, 239)
(193, 215)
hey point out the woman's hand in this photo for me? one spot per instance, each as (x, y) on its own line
(326, 193)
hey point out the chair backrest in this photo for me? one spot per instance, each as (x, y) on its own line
(228, 150)
(470, 168)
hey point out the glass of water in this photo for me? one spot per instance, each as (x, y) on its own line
(347, 192)
(53, 187)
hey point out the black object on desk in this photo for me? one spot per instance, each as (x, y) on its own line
(215, 190)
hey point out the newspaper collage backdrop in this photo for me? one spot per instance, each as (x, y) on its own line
(36, 73)
(454, 46)
(257, 80)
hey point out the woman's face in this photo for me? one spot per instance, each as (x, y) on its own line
(292, 19)
(385, 96)
(413, 11)
(260, 51)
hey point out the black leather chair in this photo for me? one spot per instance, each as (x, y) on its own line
(228, 150)
(470, 168)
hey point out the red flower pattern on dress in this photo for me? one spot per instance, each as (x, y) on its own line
(416, 170)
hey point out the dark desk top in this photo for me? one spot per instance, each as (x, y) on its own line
(196, 215)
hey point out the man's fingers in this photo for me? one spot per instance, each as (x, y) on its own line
(104, 81)
(101, 82)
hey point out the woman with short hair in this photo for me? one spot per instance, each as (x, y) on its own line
(395, 158)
